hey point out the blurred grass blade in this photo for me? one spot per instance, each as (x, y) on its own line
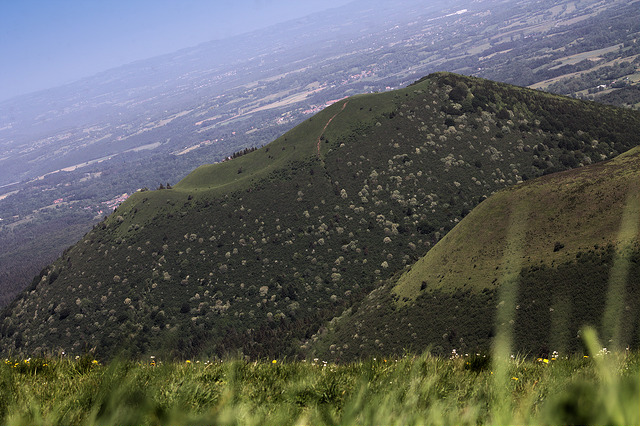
(614, 336)
(505, 316)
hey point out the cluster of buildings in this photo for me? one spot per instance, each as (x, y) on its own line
(317, 108)
(115, 202)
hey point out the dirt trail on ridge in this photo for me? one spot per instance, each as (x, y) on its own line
(327, 125)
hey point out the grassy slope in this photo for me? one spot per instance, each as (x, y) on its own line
(298, 145)
(578, 209)
(259, 260)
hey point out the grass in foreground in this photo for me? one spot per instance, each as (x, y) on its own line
(603, 388)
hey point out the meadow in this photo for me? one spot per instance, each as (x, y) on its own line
(602, 387)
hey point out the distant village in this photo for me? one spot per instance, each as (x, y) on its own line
(108, 205)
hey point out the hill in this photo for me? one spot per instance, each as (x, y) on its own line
(257, 253)
(156, 120)
(570, 238)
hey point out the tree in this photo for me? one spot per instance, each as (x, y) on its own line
(459, 92)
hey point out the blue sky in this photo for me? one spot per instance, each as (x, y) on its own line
(46, 43)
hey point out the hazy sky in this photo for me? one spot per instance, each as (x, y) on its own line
(46, 43)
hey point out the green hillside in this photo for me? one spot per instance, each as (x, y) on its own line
(572, 239)
(258, 253)
(565, 213)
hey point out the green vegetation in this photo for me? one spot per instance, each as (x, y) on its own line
(578, 44)
(575, 263)
(574, 211)
(601, 388)
(261, 252)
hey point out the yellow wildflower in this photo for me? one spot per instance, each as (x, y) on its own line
(274, 362)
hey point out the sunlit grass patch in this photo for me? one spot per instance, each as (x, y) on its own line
(601, 387)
